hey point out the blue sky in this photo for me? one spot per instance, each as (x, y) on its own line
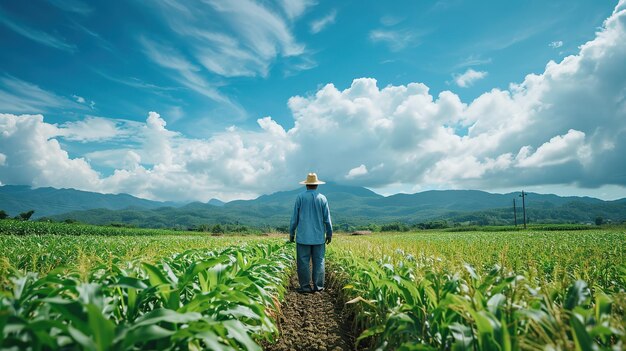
(170, 99)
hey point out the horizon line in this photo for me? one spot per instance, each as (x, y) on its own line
(321, 190)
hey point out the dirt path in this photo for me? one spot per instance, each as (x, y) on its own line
(312, 322)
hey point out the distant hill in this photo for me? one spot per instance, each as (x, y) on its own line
(15, 199)
(216, 202)
(357, 206)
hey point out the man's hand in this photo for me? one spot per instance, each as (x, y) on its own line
(328, 239)
(291, 239)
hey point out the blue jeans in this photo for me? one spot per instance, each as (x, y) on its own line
(304, 255)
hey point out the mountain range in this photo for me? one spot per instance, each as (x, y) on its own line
(350, 206)
(51, 201)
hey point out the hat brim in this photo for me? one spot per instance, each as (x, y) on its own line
(312, 183)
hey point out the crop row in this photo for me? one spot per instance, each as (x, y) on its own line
(16, 227)
(415, 293)
(221, 300)
(547, 259)
(43, 253)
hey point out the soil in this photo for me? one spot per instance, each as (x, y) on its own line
(313, 321)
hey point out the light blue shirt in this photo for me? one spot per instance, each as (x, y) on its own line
(311, 219)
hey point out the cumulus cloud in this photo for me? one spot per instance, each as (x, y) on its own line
(459, 168)
(161, 164)
(558, 150)
(91, 129)
(124, 159)
(34, 156)
(401, 127)
(468, 78)
(565, 126)
(357, 172)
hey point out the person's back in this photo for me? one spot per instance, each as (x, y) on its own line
(311, 221)
(312, 210)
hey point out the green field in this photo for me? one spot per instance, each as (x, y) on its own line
(69, 286)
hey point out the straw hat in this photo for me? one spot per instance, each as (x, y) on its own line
(311, 179)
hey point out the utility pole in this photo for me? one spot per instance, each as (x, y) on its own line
(523, 196)
(515, 212)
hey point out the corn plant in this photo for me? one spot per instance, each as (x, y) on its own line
(416, 301)
(221, 300)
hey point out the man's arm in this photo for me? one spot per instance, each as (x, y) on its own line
(294, 220)
(327, 223)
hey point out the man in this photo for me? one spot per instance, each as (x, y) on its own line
(311, 222)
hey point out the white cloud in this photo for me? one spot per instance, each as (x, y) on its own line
(559, 150)
(235, 38)
(397, 40)
(556, 44)
(395, 126)
(188, 73)
(122, 159)
(299, 64)
(18, 96)
(163, 165)
(35, 157)
(270, 126)
(464, 167)
(262, 29)
(563, 127)
(90, 129)
(157, 144)
(468, 78)
(79, 99)
(295, 8)
(321, 23)
(357, 172)
(225, 56)
(217, 39)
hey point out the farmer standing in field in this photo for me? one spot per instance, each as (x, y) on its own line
(311, 222)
